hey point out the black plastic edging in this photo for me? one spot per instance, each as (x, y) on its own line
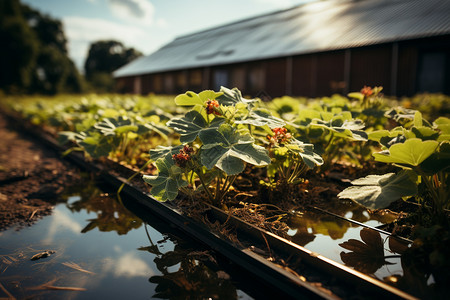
(279, 278)
(284, 281)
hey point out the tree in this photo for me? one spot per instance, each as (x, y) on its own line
(54, 71)
(105, 57)
(34, 53)
(49, 31)
(19, 48)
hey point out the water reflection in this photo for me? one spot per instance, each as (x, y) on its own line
(61, 221)
(307, 225)
(187, 273)
(104, 252)
(361, 248)
(127, 265)
(373, 252)
(111, 214)
(366, 256)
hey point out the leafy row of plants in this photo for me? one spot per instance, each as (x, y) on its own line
(122, 128)
(203, 143)
(223, 132)
(220, 135)
(208, 143)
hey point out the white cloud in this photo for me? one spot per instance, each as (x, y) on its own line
(128, 265)
(81, 32)
(135, 11)
(61, 220)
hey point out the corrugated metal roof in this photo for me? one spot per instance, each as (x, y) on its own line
(312, 27)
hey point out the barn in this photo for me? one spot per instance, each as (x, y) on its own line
(314, 49)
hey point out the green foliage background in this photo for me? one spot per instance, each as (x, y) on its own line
(34, 57)
(104, 58)
(34, 53)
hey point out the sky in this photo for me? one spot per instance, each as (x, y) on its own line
(145, 25)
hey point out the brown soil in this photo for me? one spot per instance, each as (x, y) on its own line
(31, 177)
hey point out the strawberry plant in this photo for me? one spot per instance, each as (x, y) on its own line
(332, 133)
(368, 97)
(371, 107)
(336, 126)
(290, 158)
(422, 152)
(117, 138)
(217, 145)
(221, 134)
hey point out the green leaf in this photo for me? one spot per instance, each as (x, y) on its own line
(418, 119)
(162, 151)
(126, 129)
(228, 149)
(349, 129)
(438, 161)
(66, 136)
(443, 125)
(356, 95)
(209, 95)
(306, 116)
(306, 152)
(191, 125)
(442, 121)
(191, 99)
(389, 138)
(162, 130)
(377, 135)
(109, 113)
(400, 113)
(410, 153)
(389, 141)
(425, 133)
(188, 99)
(165, 185)
(85, 124)
(378, 191)
(115, 127)
(232, 97)
(374, 112)
(97, 146)
(261, 118)
(311, 158)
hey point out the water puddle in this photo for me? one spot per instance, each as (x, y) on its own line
(367, 250)
(107, 249)
(103, 251)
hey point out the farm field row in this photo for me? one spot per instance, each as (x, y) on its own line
(276, 164)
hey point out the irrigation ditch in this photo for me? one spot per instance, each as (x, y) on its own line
(288, 268)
